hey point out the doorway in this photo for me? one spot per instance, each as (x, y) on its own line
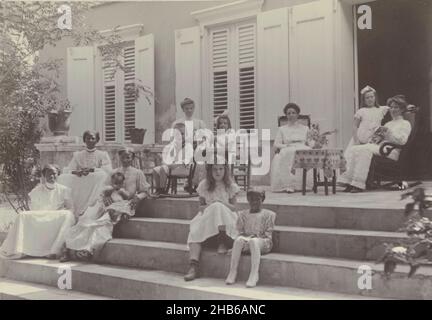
(394, 57)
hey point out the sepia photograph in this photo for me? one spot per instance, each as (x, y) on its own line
(216, 150)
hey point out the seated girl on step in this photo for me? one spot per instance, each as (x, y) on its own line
(217, 215)
(255, 227)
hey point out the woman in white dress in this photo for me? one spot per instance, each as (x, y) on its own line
(396, 131)
(217, 214)
(289, 138)
(95, 226)
(87, 173)
(41, 231)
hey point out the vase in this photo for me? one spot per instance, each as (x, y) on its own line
(59, 122)
(137, 135)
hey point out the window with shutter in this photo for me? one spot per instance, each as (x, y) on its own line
(219, 51)
(109, 101)
(233, 70)
(129, 88)
(246, 36)
(119, 96)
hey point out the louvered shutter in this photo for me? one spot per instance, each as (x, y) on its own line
(129, 91)
(219, 69)
(80, 89)
(246, 36)
(109, 101)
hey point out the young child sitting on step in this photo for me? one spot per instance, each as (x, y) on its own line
(255, 227)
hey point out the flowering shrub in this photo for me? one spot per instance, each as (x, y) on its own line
(319, 139)
(416, 250)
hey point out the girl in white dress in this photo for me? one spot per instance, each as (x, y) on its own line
(289, 138)
(396, 131)
(41, 231)
(368, 118)
(225, 137)
(255, 227)
(217, 214)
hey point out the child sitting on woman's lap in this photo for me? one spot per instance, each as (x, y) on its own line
(255, 227)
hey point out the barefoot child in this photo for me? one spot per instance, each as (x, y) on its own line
(255, 227)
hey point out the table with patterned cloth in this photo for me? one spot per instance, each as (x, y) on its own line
(328, 160)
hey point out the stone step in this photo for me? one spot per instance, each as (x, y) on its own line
(312, 273)
(320, 242)
(18, 290)
(336, 217)
(129, 283)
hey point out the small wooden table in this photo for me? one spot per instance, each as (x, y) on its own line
(328, 160)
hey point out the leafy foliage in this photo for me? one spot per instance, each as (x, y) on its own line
(29, 88)
(416, 250)
(319, 139)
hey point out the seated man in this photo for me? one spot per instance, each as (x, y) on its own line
(178, 154)
(41, 231)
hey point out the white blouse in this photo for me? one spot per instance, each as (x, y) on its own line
(291, 134)
(220, 193)
(399, 131)
(42, 198)
(90, 159)
(370, 120)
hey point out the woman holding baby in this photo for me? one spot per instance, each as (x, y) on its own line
(125, 187)
(396, 131)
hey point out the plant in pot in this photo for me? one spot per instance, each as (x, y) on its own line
(59, 119)
(136, 90)
(319, 139)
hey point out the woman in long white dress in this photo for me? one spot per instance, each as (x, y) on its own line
(87, 173)
(95, 227)
(41, 231)
(289, 138)
(396, 131)
(217, 214)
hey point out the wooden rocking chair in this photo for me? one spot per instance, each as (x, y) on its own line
(383, 169)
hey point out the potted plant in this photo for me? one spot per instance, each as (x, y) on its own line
(59, 120)
(319, 139)
(137, 135)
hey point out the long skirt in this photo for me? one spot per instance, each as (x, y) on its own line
(95, 226)
(358, 165)
(85, 190)
(206, 224)
(282, 178)
(37, 233)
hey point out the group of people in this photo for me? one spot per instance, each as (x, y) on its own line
(73, 214)
(368, 136)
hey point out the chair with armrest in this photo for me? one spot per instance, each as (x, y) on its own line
(393, 172)
(303, 119)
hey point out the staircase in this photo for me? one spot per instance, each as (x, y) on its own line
(318, 251)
